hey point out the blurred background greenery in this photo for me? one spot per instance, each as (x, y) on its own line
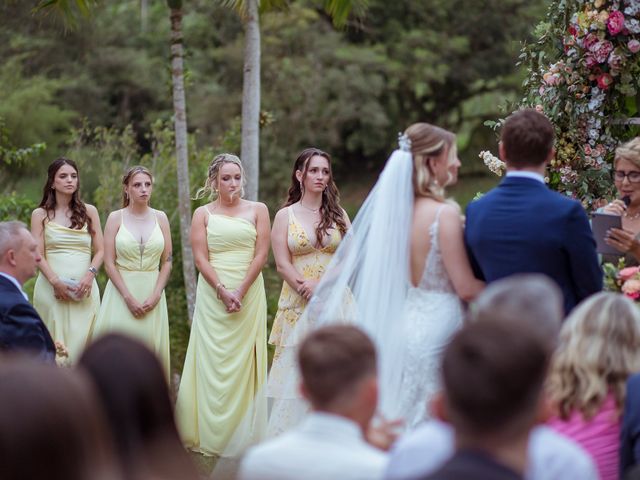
(101, 94)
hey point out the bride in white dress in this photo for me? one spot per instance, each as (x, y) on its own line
(401, 273)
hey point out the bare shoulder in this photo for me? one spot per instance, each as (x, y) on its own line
(39, 214)
(115, 216)
(282, 214)
(91, 210)
(259, 207)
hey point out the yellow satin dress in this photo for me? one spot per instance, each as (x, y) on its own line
(138, 265)
(68, 253)
(226, 361)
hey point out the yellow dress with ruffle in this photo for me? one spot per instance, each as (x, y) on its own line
(138, 265)
(311, 263)
(68, 253)
(226, 361)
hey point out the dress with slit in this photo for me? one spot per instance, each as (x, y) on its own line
(226, 361)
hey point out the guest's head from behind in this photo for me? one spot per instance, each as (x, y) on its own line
(313, 176)
(19, 255)
(435, 159)
(526, 140)
(530, 299)
(225, 179)
(51, 425)
(137, 185)
(339, 376)
(626, 173)
(132, 388)
(63, 183)
(599, 348)
(492, 387)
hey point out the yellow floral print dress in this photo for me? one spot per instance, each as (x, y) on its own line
(311, 263)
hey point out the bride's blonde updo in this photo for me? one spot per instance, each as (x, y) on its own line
(428, 141)
(212, 175)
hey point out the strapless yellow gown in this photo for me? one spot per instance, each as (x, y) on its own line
(138, 265)
(226, 360)
(68, 253)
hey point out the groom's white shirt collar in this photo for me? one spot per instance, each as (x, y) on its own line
(15, 282)
(524, 174)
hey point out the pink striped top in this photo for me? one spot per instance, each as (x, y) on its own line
(600, 436)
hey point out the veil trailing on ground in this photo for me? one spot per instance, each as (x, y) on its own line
(366, 283)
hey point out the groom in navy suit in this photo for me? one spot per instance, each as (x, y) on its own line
(21, 328)
(522, 226)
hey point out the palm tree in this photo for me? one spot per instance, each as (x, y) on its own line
(249, 10)
(182, 152)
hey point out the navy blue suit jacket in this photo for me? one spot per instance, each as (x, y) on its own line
(21, 328)
(630, 435)
(523, 227)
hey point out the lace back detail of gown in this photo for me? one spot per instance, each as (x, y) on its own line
(435, 277)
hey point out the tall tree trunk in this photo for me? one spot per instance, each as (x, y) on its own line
(144, 15)
(182, 157)
(250, 150)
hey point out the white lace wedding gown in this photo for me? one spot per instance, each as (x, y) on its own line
(433, 314)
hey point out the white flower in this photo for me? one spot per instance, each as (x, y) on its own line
(494, 164)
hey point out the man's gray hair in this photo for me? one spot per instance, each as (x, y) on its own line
(10, 235)
(531, 299)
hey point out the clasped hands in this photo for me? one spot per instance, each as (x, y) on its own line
(232, 299)
(306, 288)
(64, 292)
(138, 309)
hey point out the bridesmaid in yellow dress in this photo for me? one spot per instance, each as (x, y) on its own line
(306, 233)
(137, 258)
(226, 360)
(67, 231)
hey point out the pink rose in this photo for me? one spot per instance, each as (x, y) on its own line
(587, 149)
(626, 273)
(604, 81)
(601, 50)
(633, 46)
(615, 23)
(615, 61)
(590, 40)
(631, 288)
(590, 60)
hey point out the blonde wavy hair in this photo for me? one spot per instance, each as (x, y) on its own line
(126, 178)
(210, 184)
(629, 151)
(599, 348)
(429, 141)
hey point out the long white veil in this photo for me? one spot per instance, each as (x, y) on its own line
(365, 283)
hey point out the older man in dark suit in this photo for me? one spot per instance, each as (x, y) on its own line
(21, 328)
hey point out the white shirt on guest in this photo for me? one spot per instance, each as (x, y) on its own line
(16, 283)
(551, 455)
(322, 447)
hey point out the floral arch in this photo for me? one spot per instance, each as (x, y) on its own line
(583, 72)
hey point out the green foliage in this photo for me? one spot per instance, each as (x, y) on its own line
(16, 207)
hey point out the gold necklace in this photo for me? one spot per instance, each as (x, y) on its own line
(632, 217)
(314, 210)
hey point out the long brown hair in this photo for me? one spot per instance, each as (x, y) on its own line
(127, 177)
(79, 216)
(330, 211)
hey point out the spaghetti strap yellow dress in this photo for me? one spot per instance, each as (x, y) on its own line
(138, 265)
(68, 253)
(226, 361)
(311, 263)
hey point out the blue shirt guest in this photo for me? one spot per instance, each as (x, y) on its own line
(21, 328)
